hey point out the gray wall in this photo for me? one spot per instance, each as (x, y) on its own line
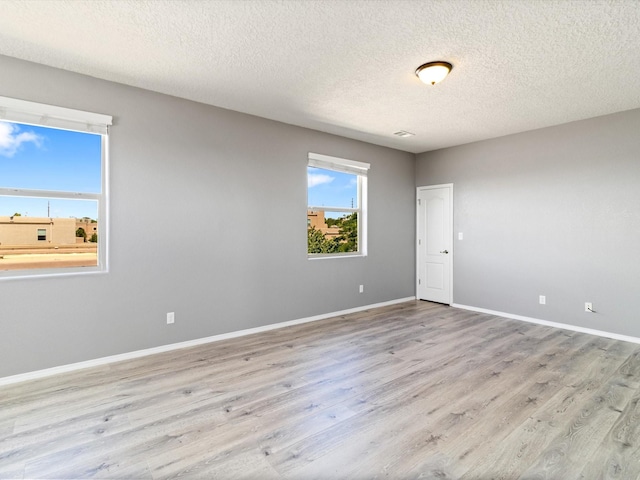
(552, 212)
(242, 179)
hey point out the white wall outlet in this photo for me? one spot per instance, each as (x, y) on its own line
(588, 307)
(361, 288)
(460, 235)
(171, 317)
(543, 300)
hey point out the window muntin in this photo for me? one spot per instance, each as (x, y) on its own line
(336, 206)
(52, 183)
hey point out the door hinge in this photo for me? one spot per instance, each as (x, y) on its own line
(419, 242)
(419, 282)
(419, 202)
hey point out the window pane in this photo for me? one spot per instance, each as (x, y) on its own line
(47, 233)
(42, 158)
(332, 189)
(332, 232)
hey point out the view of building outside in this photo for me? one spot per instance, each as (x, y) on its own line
(332, 222)
(47, 242)
(42, 232)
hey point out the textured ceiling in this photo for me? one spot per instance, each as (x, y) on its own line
(347, 66)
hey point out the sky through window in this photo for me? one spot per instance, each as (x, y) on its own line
(41, 158)
(329, 188)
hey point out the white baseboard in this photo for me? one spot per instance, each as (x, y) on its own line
(565, 326)
(189, 343)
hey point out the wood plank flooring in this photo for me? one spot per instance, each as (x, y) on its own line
(415, 390)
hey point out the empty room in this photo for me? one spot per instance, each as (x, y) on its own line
(467, 175)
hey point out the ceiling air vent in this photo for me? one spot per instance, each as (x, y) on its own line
(403, 133)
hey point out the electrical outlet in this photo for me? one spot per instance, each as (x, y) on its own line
(588, 307)
(543, 300)
(171, 317)
(361, 288)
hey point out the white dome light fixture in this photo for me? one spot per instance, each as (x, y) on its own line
(433, 72)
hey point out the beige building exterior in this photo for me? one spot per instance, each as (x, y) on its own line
(88, 227)
(315, 219)
(37, 231)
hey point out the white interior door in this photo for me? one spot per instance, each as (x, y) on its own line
(435, 243)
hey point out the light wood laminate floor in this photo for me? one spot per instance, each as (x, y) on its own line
(415, 390)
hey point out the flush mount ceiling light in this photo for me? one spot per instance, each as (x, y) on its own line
(433, 72)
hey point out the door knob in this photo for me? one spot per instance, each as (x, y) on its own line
(444, 251)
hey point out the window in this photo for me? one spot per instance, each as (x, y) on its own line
(336, 207)
(53, 164)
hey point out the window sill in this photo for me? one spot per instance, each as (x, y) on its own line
(328, 256)
(50, 273)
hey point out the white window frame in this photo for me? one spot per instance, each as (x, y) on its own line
(361, 169)
(38, 114)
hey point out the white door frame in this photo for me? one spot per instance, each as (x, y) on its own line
(432, 187)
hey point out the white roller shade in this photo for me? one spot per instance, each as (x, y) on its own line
(22, 111)
(338, 164)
